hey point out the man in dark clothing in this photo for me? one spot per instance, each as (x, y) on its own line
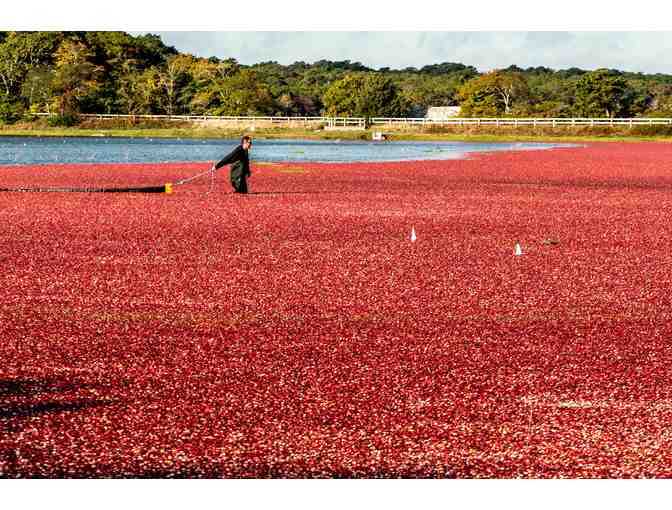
(240, 164)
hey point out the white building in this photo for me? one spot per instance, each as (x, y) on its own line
(442, 112)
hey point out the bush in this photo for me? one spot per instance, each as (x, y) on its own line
(65, 120)
(561, 130)
(131, 123)
(652, 130)
(10, 112)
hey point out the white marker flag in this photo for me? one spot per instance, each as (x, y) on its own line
(518, 250)
(413, 236)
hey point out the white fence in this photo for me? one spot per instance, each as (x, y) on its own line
(464, 121)
(391, 122)
(224, 119)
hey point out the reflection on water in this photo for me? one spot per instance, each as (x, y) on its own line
(21, 150)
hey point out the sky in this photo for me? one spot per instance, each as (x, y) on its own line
(634, 51)
(487, 34)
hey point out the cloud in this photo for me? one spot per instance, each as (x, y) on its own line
(627, 51)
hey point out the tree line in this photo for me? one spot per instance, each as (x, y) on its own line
(67, 73)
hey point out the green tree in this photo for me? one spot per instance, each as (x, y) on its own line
(550, 94)
(292, 105)
(638, 96)
(242, 94)
(661, 101)
(602, 93)
(341, 99)
(150, 50)
(120, 73)
(37, 89)
(478, 99)
(138, 92)
(380, 97)
(364, 95)
(22, 51)
(312, 80)
(276, 76)
(10, 111)
(423, 91)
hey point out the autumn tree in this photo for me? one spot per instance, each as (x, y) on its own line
(203, 89)
(492, 94)
(172, 79)
(74, 76)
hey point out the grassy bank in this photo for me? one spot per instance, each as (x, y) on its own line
(175, 131)
(431, 133)
(541, 133)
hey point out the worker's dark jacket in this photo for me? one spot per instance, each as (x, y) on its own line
(240, 168)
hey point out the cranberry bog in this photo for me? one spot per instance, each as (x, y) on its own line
(299, 332)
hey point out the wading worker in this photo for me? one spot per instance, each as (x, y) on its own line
(239, 160)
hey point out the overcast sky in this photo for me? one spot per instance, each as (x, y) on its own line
(647, 52)
(488, 34)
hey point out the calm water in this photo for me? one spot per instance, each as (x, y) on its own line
(21, 150)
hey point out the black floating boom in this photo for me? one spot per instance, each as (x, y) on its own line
(166, 188)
